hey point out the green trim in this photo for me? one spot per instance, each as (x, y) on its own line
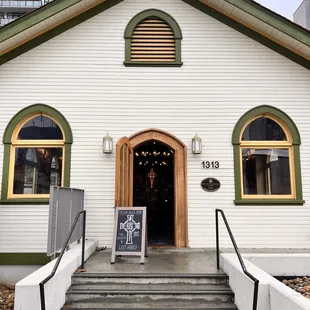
(149, 13)
(246, 117)
(28, 201)
(269, 202)
(7, 136)
(298, 178)
(24, 259)
(57, 30)
(33, 109)
(249, 32)
(67, 164)
(152, 64)
(35, 17)
(266, 109)
(133, 23)
(5, 171)
(273, 19)
(237, 171)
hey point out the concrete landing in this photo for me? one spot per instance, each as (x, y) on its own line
(159, 261)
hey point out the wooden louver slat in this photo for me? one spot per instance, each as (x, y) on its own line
(153, 41)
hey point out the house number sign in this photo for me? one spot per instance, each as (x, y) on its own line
(210, 164)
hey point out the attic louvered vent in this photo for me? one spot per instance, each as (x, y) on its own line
(153, 41)
(153, 38)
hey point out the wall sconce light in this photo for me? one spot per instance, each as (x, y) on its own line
(196, 145)
(107, 144)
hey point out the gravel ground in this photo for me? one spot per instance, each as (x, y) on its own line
(6, 297)
(300, 285)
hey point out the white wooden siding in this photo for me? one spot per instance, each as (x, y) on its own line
(225, 74)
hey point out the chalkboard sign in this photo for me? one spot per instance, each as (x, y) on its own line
(129, 232)
(210, 184)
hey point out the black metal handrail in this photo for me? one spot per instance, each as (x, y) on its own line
(256, 281)
(42, 295)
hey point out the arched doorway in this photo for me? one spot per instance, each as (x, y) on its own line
(125, 153)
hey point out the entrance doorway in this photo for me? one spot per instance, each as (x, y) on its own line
(131, 176)
(154, 188)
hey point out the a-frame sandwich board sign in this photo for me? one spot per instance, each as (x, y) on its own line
(129, 232)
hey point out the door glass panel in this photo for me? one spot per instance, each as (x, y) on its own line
(121, 179)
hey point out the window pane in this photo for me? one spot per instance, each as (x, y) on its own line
(40, 128)
(36, 169)
(264, 129)
(266, 172)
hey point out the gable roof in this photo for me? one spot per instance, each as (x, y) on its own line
(246, 16)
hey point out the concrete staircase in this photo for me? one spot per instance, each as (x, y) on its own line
(150, 291)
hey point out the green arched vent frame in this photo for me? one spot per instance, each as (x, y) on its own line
(296, 141)
(177, 35)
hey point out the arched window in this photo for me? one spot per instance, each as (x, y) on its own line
(153, 38)
(37, 153)
(267, 158)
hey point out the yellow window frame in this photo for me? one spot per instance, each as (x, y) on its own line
(269, 145)
(16, 143)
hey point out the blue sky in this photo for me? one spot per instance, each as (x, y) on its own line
(282, 7)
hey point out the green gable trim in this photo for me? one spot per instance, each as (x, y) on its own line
(249, 32)
(34, 18)
(19, 117)
(133, 23)
(246, 117)
(57, 30)
(273, 19)
(24, 259)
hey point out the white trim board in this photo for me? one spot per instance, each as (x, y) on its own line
(272, 294)
(27, 293)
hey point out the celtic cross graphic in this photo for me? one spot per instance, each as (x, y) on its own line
(129, 226)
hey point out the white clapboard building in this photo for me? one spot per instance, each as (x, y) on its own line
(182, 106)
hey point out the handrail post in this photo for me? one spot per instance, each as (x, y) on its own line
(41, 284)
(83, 240)
(42, 296)
(255, 280)
(217, 239)
(255, 298)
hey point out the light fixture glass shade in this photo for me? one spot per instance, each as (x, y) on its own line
(107, 144)
(196, 145)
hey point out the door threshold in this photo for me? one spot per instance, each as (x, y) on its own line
(158, 246)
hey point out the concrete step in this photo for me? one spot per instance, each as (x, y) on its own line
(149, 279)
(132, 296)
(189, 305)
(150, 291)
(143, 287)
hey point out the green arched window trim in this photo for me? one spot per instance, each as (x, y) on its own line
(19, 117)
(296, 141)
(174, 26)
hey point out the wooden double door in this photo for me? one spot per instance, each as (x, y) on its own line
(124, 177)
